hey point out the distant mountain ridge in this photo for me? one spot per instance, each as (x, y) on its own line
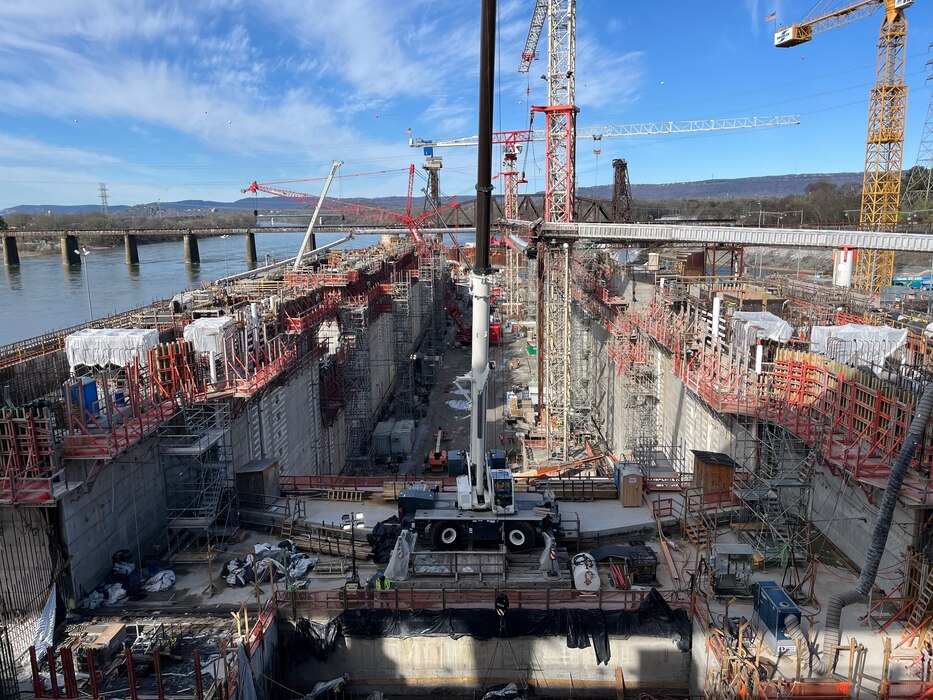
(737, 188)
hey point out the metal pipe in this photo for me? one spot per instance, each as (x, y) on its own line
(487, 69)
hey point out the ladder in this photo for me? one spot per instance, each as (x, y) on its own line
(918, 613)
(288, 529)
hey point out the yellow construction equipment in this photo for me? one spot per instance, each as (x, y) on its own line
(881, 187)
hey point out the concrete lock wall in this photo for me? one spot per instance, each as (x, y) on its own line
(425, 665)
(686, 420)
(606, 392)
(842, 512)
(123, 509)
(381, 336)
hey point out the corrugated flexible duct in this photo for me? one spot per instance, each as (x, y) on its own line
(879, 537)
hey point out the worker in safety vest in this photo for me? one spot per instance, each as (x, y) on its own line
(383, 583)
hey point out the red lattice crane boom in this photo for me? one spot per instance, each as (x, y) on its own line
(383, 216)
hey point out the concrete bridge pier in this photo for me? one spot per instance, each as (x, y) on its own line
(192, 255)
(70, 254)
(10, 252)
(131, 249)
(251, 257)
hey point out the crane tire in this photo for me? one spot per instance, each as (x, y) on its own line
(446, 535)
(519, 537)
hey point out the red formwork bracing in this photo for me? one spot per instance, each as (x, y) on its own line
(858, 422)
(720, 381)
(121, 419)
(27, 458)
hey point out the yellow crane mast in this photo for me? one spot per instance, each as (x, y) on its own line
(881, 186)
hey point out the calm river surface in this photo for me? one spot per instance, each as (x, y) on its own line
(42, 295)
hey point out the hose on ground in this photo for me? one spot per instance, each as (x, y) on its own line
(879, 537)
(792, 628)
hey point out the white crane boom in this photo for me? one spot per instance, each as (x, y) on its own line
(599, 132)
(534, 34)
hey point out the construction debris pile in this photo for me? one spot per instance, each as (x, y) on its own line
(280, 562)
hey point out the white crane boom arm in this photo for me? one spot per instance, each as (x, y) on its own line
(599, 132)
(534, 34)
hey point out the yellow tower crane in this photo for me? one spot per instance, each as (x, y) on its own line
(881, 187)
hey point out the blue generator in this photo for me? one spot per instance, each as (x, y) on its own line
(772, 607)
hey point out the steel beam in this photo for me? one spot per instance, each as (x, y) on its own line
(633, 234)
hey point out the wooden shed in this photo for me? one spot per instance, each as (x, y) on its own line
(257, 481)
(713, 471)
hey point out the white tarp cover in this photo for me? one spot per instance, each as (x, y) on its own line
(397, 568)
(97, 347)
(45, 631)
(855, 344)
(759, 325)
(209, 334)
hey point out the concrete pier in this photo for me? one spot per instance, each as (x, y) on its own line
(131, 249)
(192, 255)
(251, 257)
(10, 252)
(70, 254)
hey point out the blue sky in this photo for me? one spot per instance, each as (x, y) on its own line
(173, 99)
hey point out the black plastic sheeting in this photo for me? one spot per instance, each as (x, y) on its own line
(582, 628)
(383, 537)
(319, 640)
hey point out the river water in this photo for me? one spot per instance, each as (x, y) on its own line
(42, 295)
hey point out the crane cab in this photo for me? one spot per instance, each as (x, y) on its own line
(902, 4)
(793, 35)
(503, 491)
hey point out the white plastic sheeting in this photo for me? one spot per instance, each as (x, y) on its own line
(749, 326)
(98, 347)
(209, 334)
(160, 581)
(397, 568)
(856, 344)
(45, 631)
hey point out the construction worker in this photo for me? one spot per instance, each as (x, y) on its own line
(383, 583)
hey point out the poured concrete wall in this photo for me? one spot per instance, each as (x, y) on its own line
(422, 665)
(608, 398)
(381, 336)
(686, 421)
(842, 512)
(123, 509)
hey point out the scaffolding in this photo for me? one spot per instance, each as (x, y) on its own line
(776, 495)
(430, 277)
(404, 372)
(557, 348)
(196, 457)
(357, 387)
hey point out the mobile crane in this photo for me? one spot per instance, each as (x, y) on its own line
(485, 507)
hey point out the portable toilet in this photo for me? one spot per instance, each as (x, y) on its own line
(631, 486)
(402, 436)
(382, 439)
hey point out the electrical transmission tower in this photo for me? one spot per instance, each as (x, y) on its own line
(622, 212)
(920, 186)
(103, 199)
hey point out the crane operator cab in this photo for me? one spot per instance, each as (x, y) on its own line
(503, 491)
